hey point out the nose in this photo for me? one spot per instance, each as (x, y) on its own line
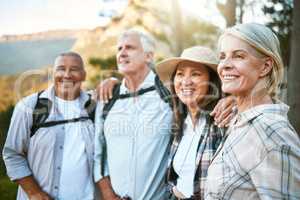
(186, 80)
(67, 74)
(225, 64)
(122, 52)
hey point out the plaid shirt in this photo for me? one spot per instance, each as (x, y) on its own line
(207, 146)
(259, 160)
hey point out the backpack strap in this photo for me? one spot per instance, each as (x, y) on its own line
(163, 92)
(90, 107)
(40, 113)
(106, 108)
(42, 109)
(111, 102)
(116, 95)
(54, 123)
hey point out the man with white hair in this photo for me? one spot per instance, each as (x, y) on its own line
(136, 131)
(49, 147)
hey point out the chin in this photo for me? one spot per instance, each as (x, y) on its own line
(230, 90)
(188, 102)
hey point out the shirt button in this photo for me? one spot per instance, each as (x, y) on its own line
(55, 187)
(58, 168)
(60, 147)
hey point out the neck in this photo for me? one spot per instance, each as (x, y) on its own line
(67, 96)
(133, 81)
(194, 113)
(245, 102)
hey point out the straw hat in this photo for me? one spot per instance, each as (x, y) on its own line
(197, 54)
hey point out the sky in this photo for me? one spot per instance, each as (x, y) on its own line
(29, 16)
(17, 17)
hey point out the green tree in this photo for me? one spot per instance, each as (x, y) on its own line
(279, 13)
(294, 70)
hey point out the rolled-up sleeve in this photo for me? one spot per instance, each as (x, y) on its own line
(99, 144)
(17, 141)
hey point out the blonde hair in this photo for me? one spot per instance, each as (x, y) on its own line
(263, 40)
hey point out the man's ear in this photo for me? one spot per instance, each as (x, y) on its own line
(149, 56)
(267, 67)
(83, 75)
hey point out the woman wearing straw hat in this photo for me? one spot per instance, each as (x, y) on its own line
(260, 158)
(195, 87)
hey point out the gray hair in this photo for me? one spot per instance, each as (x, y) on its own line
(147, 41)
(264, 41)
(72, 54)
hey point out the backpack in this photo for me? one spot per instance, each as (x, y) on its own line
(42, 109)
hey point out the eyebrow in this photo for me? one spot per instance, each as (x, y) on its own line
(240, 50)
(236, 51)
(73, 66)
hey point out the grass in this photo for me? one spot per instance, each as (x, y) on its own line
(8, 189)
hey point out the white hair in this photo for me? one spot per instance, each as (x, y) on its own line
(147, 41)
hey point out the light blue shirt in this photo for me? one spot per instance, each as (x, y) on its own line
(137, 132)
(42, 154)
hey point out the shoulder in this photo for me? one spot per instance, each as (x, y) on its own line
(27, 103)
(275, 131)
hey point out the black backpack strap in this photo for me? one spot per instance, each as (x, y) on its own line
(40, 113)
(90, 107)
(42, 109)
(54, 123)
(111, 102)
(137, 93)
(106, 108)
(163, 92)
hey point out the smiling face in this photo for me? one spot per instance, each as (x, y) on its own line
(68, 75)
(131, 58)
(241, 67)
(191, 83)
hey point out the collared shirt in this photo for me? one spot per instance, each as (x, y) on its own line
(137, 134)
(260, 159)
(42, 154)
(210, 138)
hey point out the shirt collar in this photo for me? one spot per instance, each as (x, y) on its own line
(199, 124)
(148, 82)
(248, 115)
(49, 93)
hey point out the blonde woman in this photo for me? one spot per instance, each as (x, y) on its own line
(260, 158)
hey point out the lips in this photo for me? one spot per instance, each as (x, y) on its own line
(67, 83)
(187, 92)
(229, 77)
(123, 61)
